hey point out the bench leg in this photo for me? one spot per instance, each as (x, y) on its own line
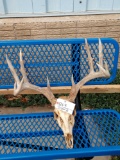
(78, 107)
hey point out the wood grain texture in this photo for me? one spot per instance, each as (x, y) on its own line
(84, 89)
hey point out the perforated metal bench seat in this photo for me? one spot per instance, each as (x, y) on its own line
(56, 59)
(38, 136)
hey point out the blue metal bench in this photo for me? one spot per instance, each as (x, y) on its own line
(37, 135)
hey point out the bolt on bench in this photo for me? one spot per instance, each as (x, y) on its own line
(38, 135)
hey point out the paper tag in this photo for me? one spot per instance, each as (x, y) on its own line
(65, 106)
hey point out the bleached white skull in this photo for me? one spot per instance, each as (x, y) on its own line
(66, 122)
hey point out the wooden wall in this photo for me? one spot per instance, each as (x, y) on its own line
(40, 7)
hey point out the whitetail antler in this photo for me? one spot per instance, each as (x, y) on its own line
(65, 120)
(103, 72)
(24, 84)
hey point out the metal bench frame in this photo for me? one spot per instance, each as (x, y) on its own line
(7, 140)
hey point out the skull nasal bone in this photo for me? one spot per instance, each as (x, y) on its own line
(68, 135)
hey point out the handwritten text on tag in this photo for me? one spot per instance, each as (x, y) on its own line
(65, 106)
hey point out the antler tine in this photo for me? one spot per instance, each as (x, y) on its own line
(100, 53)
(103, 72)
(17, 84)
(22, 69)
(100, 65)
(90, 59)
(12, 70)
(24, 84)
(72, 80)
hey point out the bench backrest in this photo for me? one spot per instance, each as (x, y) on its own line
(57, 59)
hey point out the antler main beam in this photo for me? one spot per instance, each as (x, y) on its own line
(103, 71)
(24, 83)
(65, 120)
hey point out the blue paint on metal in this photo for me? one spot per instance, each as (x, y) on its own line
(55, 59)
(38, 136)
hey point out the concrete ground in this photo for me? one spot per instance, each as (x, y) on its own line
(33, 109)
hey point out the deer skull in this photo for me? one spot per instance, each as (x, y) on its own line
(64, 119)
(66, 122)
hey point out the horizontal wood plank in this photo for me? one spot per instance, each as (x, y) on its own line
(84, 89)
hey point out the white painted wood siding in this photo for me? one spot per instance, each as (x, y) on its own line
(103, 5)
(18, 6)
(42, 7)
(2, 11)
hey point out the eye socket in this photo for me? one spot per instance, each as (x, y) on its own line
(70, 120)
(56, 115)
(61, 120)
